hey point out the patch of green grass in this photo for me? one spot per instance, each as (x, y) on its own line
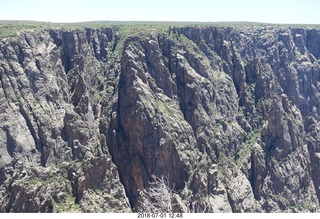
(105, 82)
(39, 181)
(32, 182)
(47, 111)
(36, 100)
(125, 28)
(305, 206)
(169, 110)
(224, 165)
(62, 165)
(43, 180)
(12, 28)
(165, 107)
(244, 150)
(72, 78)
(68, 204)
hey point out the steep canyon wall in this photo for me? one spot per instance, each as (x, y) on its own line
(229, 115)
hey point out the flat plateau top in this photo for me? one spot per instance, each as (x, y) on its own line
(11, 28)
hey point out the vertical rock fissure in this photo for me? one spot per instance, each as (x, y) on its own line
(231, 201)
(33, 133)
(10, 143)
(115, 132)
(4, 90)
(253, 179)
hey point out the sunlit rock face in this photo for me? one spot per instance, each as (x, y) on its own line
(228, 115)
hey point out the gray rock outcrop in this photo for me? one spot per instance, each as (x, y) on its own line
(229, 115)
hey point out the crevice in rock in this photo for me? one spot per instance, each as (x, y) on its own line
(33, 133)
(231, 201)
(79, 91)
(11, 143)
(94, 46)
(313, 43)
(12, 196)
(73, 179)
(38, 65)
(27, 40)
(253, 179)
(2, 175)
(20, 55)
(6, 96)
(65, 54)
(56, 40)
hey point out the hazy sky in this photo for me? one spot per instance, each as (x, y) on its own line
(270, 11)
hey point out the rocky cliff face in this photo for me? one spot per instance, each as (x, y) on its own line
(228, 115)
(56, 94)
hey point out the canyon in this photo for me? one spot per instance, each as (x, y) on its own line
(229, 115)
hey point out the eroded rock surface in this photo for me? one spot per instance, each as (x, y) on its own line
(229, 115)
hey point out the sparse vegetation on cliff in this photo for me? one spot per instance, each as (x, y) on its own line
(227, 112)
